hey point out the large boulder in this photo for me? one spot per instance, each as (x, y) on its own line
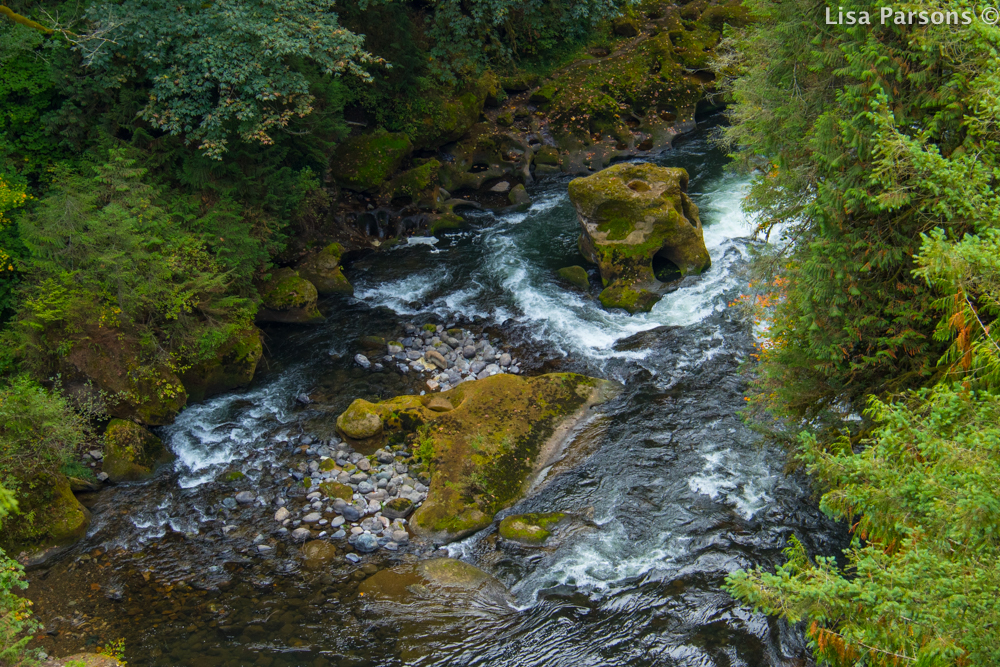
(529, 529)
(131, 452)
(49, 519)
(631, 214)
(360, 421)
(482, 454)
(363, 162)
(289, 298)
(323, 270)
(233, 365)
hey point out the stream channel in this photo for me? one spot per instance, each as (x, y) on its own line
(679, 490)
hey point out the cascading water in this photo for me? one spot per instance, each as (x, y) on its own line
(677, 489)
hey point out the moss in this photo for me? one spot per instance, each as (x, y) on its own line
(576, 276)
(620, 295)
(505, 118)
(48, 515)
(519, 82)
(233, 476)
(547, 155)
(233, 365)
(360, 421)
(287, 297)
(529, 528)
(131, 452)
(336, 490)
(446, 221)
(544, 95)
(480, 454)
(327, 464)
(420, 183)
(323, 270)
(364, 162)
(429, 327)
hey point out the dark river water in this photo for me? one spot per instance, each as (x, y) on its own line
(679, 489)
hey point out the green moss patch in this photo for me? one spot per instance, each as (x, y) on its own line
(360, 421)
(364, 162)
(323, 270)
(529, 528)
(48, 515)
(336, 490)
(131, 452)
(233, 365)
(576, 276)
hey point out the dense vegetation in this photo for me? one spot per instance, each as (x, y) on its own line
(875, 149)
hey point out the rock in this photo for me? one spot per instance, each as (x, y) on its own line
(312, 517)
(502, 186)
(85, 660)
(476, 367)
(354, 558)
(400, 536)
(360, 421)
(336, 490)
(351, 513)
(394, 348)
(131, 452)
(78, 485)
(245, 497)
(440, 579)
(96, 454)
(504, 360)
(432, 385)
(629, 215)
(288, 298)
(103, 477)
(323, 270)
(626, 26)
(318, 554)
(364, 162)
(264, 549)
(366, 543)
(529, 529)
(469, 352)
(303, 399)
(282, 514)
(492, 369)
(301, 534)
(58, 519)
(576, 276)
(364, 465)
(419, 185)
(440, 404)
(435, 358)
(362, 360)
(519, 197)
(399, 508)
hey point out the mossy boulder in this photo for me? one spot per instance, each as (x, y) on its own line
(419, 184)
(289, 298)
(452, 116)
(360, 421)
(483, 454)
(323, 270)
(364, 162)
(49, 518)
(629, 214)
(232, 366)
(547, 155)
(530, 529)
(576, 276)
(131, 452)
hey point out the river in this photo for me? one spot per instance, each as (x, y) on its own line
(679, 489)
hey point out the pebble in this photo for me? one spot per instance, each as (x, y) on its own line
(351, 513)
(281, 514)
(337, 522)
(505, 360)
(354, 558)
(300, 534)
(502, 186)
(303, 399)
(96, 454)
(391, 546)
(366, 543)
(312, 517)
(469, 352)
(364, 464)
(229, 502)
(264, 549)
(102, 477)
(362, 360)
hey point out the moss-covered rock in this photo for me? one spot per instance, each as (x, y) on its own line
(336, 490)
(576, 276)
(233, 365)
(318, 554)
(288, 298)
(361, 420)
(630, 213)
(364, 162)
(323, 270)
(547, 155)
(398, 508)
(131, 452)
(49, 517)
(482, 454)
(452, 116)
(529, 528)
(420, 184)
(519, 198)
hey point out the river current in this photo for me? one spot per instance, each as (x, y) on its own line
(680, 491)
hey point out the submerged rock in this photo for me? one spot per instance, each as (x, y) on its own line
(287, 297)
(442, 578)
(631, 214)
(131, 452)
(483, 453)
(323, 270)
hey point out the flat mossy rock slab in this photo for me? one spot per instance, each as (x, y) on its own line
(323, 270)
(363, 162)
(337, 490)
(444, 579)
(131, 453)
(49, 519)
(483, 454)
(85, 660)
(532, 529)
(287, 297)
(232, 366)
(630, 213)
